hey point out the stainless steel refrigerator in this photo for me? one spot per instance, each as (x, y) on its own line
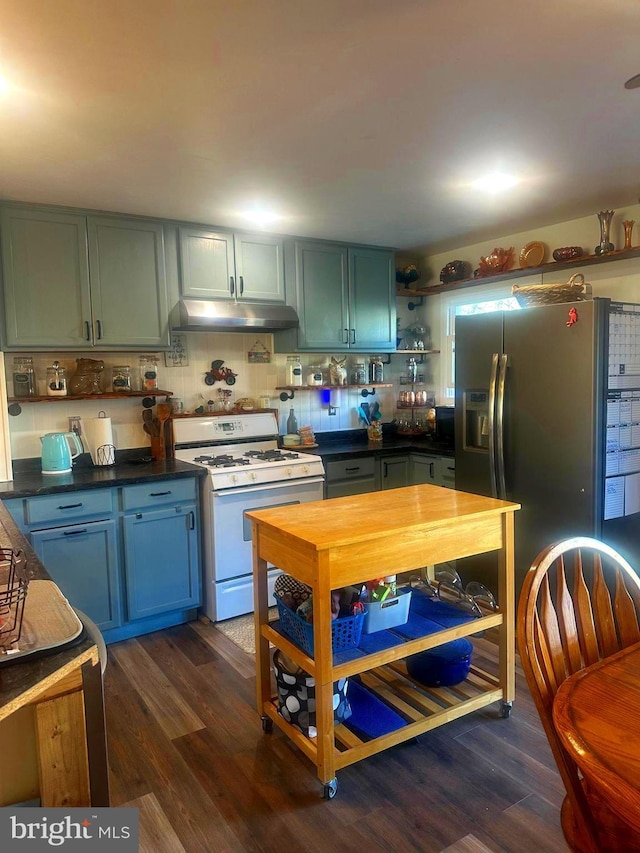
(533, 389)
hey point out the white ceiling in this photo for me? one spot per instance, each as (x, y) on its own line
(359, 120)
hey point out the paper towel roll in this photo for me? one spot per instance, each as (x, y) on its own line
(99, 436)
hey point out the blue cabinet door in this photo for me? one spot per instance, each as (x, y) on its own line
(83, 560)
(259, 267)
(128, 283)
(161, 560)
(372, 299)
(46, 279)
(321, 296)
(207, 269)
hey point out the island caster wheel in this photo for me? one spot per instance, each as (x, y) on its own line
(267, 724)
(505, 709)
(330, 789)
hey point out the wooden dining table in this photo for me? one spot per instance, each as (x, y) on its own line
(597, 716)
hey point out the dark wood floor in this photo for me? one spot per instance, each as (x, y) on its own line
(187, 748)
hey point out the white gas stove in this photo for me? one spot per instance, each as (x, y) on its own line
(247, 471)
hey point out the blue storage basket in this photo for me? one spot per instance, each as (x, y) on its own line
(345, 632)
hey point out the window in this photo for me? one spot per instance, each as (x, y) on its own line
(486, 300)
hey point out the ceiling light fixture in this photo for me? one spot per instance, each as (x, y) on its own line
(4, 85)
(633, 82)
(495, 182)
(260, 216)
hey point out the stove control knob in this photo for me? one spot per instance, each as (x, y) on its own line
(305, 469)
(233, 478)
(288, 471)
(253, 476)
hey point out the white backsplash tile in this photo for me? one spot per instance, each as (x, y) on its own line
(187, 382)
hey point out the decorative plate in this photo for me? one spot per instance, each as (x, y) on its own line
(533, 254)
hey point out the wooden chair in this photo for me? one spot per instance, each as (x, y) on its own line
(579, 603)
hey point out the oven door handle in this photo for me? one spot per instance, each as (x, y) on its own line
(268, 487)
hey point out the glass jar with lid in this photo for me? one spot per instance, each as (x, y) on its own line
(148, 373)
(56, 380)
(294, 370)
(24, 377)
(359, 374)
(121, 378)
(376, 369)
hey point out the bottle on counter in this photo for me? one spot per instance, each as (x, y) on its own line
(292, 423)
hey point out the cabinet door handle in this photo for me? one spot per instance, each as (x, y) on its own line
(74, 532)
(350, 470)
(192, 520)
(386, 470)
(241, 279)
(432, 472)
(449, 468)
(99, 329)
(87, 330)
(346, 336)
(159, 494)
(353, 332)
(70, 506)
(232, 285)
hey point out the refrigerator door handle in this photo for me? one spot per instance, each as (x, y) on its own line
(492, 432)
(502, 378)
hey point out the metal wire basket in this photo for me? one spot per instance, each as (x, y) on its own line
(14, 585)
(574, 290)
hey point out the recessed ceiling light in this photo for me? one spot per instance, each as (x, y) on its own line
(495, 182)
(633, 82)
(260, 216)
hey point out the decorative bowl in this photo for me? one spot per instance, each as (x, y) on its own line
(408, 275)
(500, 260)
(568, 253)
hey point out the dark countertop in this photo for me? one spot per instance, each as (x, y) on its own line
(127, 471)
(334, 446)
(22, 676)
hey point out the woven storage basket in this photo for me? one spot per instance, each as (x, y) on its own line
(345, 632)
(574, 290)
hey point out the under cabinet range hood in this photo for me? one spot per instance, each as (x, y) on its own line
(201, 315)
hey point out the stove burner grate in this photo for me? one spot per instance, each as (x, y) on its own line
(223, 461)
(271, 455)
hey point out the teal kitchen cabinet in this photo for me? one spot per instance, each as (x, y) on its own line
(222, 265)
(161, 557)
(161, 560)
(344, 297)
(128, 557)
(394, 472)
(423, 469)
(75, 282)
(129, 303)
(83, 560)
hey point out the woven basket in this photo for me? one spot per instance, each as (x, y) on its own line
(574, 290)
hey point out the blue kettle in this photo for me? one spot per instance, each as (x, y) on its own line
(57, 453)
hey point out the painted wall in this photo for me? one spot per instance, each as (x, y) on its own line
(619, 280)
(187, 382)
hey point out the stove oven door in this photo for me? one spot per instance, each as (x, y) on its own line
(229, 583)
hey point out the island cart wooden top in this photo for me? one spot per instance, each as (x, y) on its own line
(381, 533)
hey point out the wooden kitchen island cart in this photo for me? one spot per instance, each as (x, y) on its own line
(347, 541)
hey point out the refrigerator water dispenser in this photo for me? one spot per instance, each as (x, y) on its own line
(476, 420)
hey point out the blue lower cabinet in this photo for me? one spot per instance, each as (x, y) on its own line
(83, 560)
(161, 561)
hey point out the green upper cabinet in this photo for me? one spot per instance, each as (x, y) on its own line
(76, 282)
(46, 278)
(128, 283)
(344, 297)
(221, 265)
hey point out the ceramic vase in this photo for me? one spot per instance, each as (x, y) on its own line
(628, 228)
(604, 218)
